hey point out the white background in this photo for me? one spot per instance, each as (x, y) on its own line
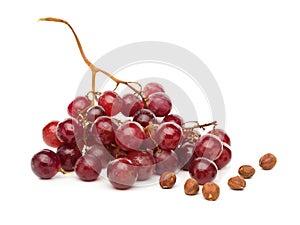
(251, 47)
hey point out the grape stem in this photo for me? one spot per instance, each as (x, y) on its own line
(95, 69)
(62, 171)
(195, 124)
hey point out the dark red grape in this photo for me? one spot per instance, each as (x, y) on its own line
(152, 88)
(203, 170)
(49, 134)
(145, 163)
(121, 173)
(185, 153)
(208, 146)
(68, 155)
(69, 130)
(101, 153)
(131, 104)
(111, 102)
(224, 158)
(166, 161)
(104, 129)
(45, 164)
(130, 136)
(94, 112)
(173, 118)
(88, 167)
(168, 135)
(144, 117)
(159, 103)
(77, 105)
(222, 135)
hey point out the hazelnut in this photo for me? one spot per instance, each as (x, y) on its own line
(246, 171)
(211, 191)
(267, 161)
(237, 183)
(191, 187)
(167, 180)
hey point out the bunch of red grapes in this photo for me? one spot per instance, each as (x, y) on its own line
(149, 141)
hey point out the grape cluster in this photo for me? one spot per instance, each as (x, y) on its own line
(150, 140)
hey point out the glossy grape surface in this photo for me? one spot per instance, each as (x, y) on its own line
(208, 146)
(203, 170)
(49, 134)
(94, 112)
(45, 164)
(121, 173)
(79, 104)
(145, 163)
(152, 87)
(225, 157)
(69, 130)
(160, 104)
(130, 136)
(131, 104)
(168, 135)
(88, 167)
(222, 135)
(68, 155)
(144, 117)
(104, 129)
(173, 118)
(111, 102)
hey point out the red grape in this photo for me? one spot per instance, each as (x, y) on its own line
(131, 104)
(45, 164)
(152, 88)
(160, 104)
(104, 129)
(111, 102)
(222, 135)
(224, 158)
(121, 173)
(168, 135)
(69, 130)
(173, 118)
(49, 134)
(185, 153)
(68, 155)
(101, 153)
(203, 170)
(144, 117)
(130, 136)
(145, 163)
(208, 146)
(166, 161)
(94, 112)
(88, 167)
(77, 105)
